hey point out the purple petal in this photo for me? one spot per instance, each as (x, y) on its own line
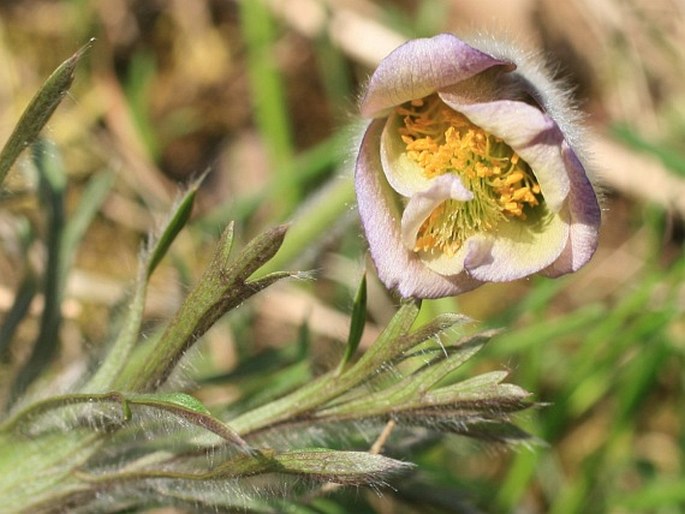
(584, 219)
(530, 132)
(421, 67)
(397, 267)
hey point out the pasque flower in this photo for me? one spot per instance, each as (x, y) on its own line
(468, 172)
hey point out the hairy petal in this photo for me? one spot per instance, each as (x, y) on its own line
(585, 217)
(396, 195)
(421, 67)
(377, 203)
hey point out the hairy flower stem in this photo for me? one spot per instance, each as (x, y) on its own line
(223, 286)
(332, 384)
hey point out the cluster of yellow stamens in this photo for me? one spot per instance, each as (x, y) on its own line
(441, 140)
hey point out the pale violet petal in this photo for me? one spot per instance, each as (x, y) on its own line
(419, 206)
(530, 132)
(584, 219)
(444, 264)
(420, 67)
(476, 250)
(379, 212)
(518, 248)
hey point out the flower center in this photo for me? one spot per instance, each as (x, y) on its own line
(441, 140)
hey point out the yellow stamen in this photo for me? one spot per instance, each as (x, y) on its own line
(441, 140)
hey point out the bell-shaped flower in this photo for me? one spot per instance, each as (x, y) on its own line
(467, 172)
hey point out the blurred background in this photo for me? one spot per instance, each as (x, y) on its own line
(263, 94)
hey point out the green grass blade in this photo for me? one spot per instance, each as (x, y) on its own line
(91, 200)
(138, 89)
(309, 166)
(177, 221)
(672, 158)
(313, 221)
(357, 322)
(39, 110)
(662, 495)
(20, 307)
(52, 184)
(334, 72)
(268, 95)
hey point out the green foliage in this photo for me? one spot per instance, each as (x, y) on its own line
(39, 110)
(121, 437)
(356, 325)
